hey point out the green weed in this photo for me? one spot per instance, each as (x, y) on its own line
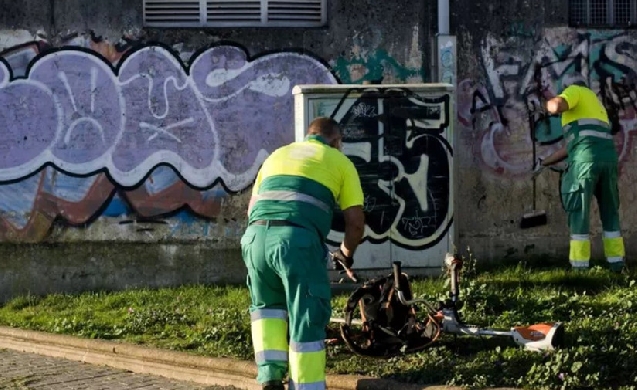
(598, 308)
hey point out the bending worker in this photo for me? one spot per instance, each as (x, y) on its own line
(289, 218)
(592, 170)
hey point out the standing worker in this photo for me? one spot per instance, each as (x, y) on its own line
(289, 218)
(592, 170)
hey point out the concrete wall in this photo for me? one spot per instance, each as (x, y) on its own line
(498, 45)
(93, 181)
(85, 205)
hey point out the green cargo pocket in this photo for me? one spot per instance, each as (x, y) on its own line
(293, 251)
(319, 303)
(572, 197)
(246, 241)
(248, 237)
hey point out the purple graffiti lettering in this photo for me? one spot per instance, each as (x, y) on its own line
(30, 125)
(89, 108)
(165, 120)
(217, 122)
(251, 101)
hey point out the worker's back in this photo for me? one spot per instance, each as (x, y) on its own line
(302, 183)
(587, 127)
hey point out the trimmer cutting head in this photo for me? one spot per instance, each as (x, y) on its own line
(539, 337)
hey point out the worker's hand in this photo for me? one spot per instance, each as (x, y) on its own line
(537, 107)
(560, 167)
(538, 167)
(340, 261)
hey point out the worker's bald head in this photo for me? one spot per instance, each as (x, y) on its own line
(327, 128)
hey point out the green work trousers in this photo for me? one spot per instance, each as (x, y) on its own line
(580, 182)
(290, 291)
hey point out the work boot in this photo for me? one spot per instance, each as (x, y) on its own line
(617, 266)
(273, 385)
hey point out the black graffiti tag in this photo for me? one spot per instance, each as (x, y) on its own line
(403, 161)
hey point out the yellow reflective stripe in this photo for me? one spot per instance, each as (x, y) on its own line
(292, 196)
(614, 247)
(580, 250)
(269, 331)
(307, 363)
(269, 335)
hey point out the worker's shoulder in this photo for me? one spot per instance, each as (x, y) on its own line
(339, 160)
(585, 92)
(287, 148)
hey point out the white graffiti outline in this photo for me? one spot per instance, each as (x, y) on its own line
(273, 84)
(554, 67)
(414, 179)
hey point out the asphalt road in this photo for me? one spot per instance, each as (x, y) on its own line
(26, 371)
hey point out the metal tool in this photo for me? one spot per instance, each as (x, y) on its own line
(388, 324)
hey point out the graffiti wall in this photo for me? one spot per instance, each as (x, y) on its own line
(502, 133)
(497, 109)
(131, 133)
(370, 61)
(400, 142)
(138, 141)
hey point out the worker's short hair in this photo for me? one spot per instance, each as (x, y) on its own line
(573, 79)
(326, 127)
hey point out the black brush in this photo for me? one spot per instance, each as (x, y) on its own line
(533, 219)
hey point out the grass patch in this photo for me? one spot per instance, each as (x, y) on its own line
(599, 309)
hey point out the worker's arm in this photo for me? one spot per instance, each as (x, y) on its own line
(351, 201)
(565, 101)
(354, 229)
(255, 190)
(556, 157)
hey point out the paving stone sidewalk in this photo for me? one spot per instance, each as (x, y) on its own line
(26, 371)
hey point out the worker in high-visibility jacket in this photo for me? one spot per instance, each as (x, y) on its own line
(289, 217)
(592, 170)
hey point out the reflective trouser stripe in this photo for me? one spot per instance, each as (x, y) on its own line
(614, 247)
(269, 335)
(587, 122)
(307, 365)
(292, 196)
(580, 250)
(590, 133)
(307, 386)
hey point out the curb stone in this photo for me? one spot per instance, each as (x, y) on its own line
(172, 364)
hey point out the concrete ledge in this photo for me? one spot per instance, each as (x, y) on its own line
(170, 364)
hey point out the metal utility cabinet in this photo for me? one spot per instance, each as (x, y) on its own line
(400, 138)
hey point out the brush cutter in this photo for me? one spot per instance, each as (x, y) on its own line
(389, 325)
